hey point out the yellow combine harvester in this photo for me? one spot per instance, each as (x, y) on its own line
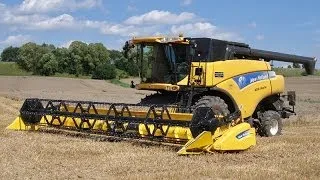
(212, 95)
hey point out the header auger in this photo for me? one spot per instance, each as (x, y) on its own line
(211, 95)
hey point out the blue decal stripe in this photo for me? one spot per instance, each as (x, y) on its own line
(249, 78)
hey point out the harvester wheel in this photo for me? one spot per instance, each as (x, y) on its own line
(218, 107)
(158, 99)
(271, 124)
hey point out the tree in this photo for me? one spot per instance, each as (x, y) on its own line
(48, 64)
(296, 65)
(132, 68)
(132, 65)
(78, 50)
(29, 55)
(121, 63)
(98, 55)
(104, 71)
(115, 56)
(10, 54)
(289, 66)
(79, 59)
(63, 58)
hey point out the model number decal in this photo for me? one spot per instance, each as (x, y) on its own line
(243, 134)
(218, 74)
(260, 88)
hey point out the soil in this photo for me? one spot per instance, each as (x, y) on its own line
(38, 155)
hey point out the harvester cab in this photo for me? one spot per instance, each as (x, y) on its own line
(212, 95)
(162, 60)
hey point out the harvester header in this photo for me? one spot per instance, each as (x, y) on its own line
(153, 123)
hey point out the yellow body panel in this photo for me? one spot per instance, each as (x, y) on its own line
(228, 138)
(157, 86)
(277, 84)
(239, 137)
(232, 68)
(197, 144)
(18, 124)
(249, 97)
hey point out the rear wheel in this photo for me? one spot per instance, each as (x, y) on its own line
(217, 106)
(271, 124)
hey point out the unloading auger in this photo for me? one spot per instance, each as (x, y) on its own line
(197, 132)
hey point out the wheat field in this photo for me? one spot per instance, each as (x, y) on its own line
(39, 155)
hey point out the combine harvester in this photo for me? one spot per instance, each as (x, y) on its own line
(212, 95)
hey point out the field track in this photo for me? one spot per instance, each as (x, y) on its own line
(34, 155)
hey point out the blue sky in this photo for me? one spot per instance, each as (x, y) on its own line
(284, 26)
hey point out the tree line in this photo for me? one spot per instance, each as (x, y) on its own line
(79, 58)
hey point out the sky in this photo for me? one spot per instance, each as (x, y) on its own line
(284, 26)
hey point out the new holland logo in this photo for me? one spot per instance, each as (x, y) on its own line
(247, 79)
(242, 81)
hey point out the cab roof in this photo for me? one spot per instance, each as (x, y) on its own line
(159, 39)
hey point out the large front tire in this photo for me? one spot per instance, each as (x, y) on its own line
(218, 106)
(271, 124)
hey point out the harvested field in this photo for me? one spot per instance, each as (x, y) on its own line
(34, 155)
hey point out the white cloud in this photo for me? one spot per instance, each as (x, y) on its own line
(118, 29)
(161, 17)
(253, 25)
(152, 23)
(2, 6)
(16, 40)
(38, 22)
(128, 30)
(44, 6)
(66, 44)
(14, 19)
(260, 37)
(62, 21)
(20, 21)
(186, 2)
(203, 29)
(94, 24)
(196, 29)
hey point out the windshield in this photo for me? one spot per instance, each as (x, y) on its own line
(163, 63)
